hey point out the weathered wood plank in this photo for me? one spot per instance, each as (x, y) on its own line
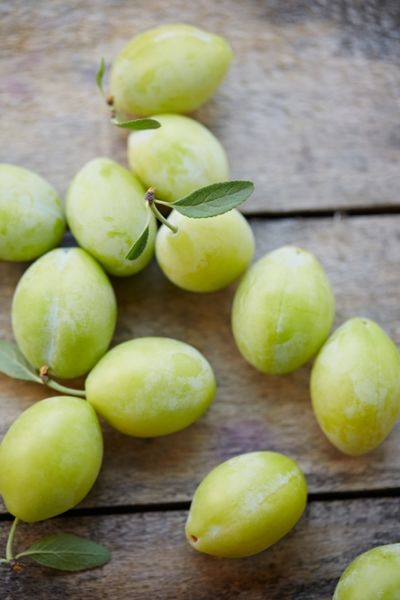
(251, 411)
(151, 559)
(309, 109)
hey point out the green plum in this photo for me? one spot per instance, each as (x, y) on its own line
(172, 68)
(355, 386)
(31, 216)
(151, 386)
(64, 312)
(246, 504)
(283, 310)
(178, 158)
(205, 254)
(106, 212)
(50, 458)
(374, 575)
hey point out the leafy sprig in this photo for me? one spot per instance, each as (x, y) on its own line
(15, 365)
(62, 551)
(117, 118)
(209, 201)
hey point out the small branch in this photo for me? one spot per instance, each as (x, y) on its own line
(161, 218)
(10, 541)
(65, 390)
(169, 204)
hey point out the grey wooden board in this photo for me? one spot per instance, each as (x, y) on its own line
(309, 110)
(151, 559)
(251, 410)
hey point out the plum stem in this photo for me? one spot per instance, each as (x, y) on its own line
(65, 390)
(161, 218)
(10, 541)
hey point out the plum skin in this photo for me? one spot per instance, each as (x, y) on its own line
(172, 68)
(178, 158)
(32, 221)
(50, 458)
(373, 574)
(205, 255)
(64, 312)
(106, 212)
(246, 504)
(355, 386)
(151, 386)
(282, 311)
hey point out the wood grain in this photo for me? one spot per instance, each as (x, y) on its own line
(309, 110)
(151, 559)
(251, 410)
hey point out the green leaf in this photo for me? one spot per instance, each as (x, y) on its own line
(214, 199)
(138, 247)
(100, 75)
(67, 552)
(137, 124)
(13, 363)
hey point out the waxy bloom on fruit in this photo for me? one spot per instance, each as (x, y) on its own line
(172, 68)
(178, 158)
(151, 386)
(246, 504)
(205, 255)
(355, 386)
(374, 575)
(31, 216)
(106, 212)
(283, 310)
(50, 458)
(64, 312)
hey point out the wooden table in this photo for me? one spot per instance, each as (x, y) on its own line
(310, 112)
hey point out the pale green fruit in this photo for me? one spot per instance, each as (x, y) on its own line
(246, 504)
(172, 68)
(151, 386)
(64, 312)
(31, 215)
(50, 458)
(374, 575)
(206, 254)
(355, 386)
(282, 311)
(106, 212)
(178, 158)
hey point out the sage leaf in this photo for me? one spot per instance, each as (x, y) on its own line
(67, 552)
(100, 75)
(14, 364)
(137, 124)
(214, 199)
(138, 247)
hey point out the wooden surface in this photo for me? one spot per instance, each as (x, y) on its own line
(310, 111)
(152, 559)
(251, 410)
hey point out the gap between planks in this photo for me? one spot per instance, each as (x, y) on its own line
(185, 505)
(325, 213)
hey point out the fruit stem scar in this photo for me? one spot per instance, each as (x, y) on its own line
(44, 373)
(10, 541)
(149, 195)
(193, 538)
